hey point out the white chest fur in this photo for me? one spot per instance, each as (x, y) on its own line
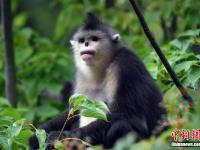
(84, 121)
(103, 89)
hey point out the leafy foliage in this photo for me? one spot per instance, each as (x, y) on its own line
(14, 131)
(41, 136)
(88, 108)
(181, 57)
(31, 49)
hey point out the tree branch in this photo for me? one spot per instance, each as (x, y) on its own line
(10, 81)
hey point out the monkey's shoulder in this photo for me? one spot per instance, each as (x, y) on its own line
(128, 63)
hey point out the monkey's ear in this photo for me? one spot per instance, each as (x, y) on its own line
(116, 37)
(72, 42)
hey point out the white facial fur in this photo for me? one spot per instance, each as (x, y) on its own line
(101, 47)
(95, 77)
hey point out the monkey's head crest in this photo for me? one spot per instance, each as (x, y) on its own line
(93, 22)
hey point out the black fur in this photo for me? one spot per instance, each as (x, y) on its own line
(135, 109)
(93, 22)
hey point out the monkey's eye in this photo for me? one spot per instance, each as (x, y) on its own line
(81, 40)
(94, 38)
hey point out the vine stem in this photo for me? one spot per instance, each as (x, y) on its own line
(32, 126)
(77, 139)
(68, 118)
(159, 52)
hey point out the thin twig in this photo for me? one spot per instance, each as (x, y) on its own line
(77, 139)
(32, 126)
(68, 118)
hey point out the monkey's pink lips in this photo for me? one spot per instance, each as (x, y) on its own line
(87, 55)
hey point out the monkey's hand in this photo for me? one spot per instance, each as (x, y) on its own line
(68, 139)
(55, 135)
(52, 137)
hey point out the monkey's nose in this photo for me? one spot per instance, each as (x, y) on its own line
(86, 43)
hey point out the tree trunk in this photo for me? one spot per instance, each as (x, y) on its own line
(10, 81)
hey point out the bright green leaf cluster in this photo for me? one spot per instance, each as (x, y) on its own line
(89, 108)
(41, 136)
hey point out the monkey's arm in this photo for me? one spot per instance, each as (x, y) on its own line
(107, 133)
(53, 125)
(100, 132)
(57, 123)
(95, 131)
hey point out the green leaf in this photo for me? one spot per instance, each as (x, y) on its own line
(153, 69)
(59, 145)
(101, 105)
(16, 127)
(94, 113)
(176, 43)
(89, 108)
(20, 19)
(12, 112)
(3, 141)
(5, 121)
(183, 66)
(182, 45)
(193, 78)
(76, 100)
(23, 55)
(24, 137)
(41, 136)
(190, 33)
(4, 102)
(83, 105)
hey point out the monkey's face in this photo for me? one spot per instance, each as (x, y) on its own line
(88, 47)
(91, 47)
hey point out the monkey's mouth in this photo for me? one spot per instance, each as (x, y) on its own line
(87, 55)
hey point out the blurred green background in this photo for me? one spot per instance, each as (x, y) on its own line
(41, 33)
